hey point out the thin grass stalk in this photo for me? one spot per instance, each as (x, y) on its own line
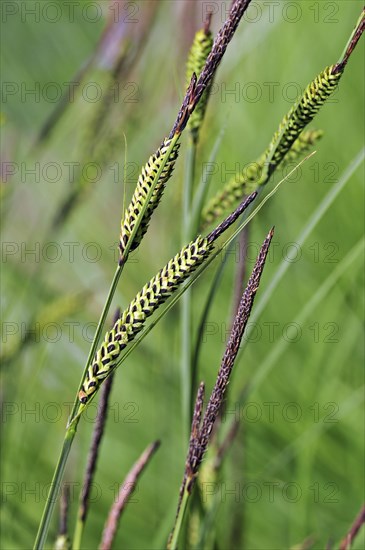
(97, 334)
(63, 540)
(126, 489)
(200, 332)
(184, 489)
(91, 464)
(201, 431)
(93, 458)
(54, 488)
(242, 241)
(185, 353)
(201, 47)
(204, 183)
(349, 539)
(71, 429)
(172, 543)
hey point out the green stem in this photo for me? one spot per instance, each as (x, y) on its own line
(54, 490)
(186, 374)
(79, 530)
(174, 537)
(97, 335)
(202, 322)
(188, 188)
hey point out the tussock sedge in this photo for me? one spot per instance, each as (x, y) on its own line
(202, 267)
(192, 97)
(152, 295)
(159, 168)
(129, 328)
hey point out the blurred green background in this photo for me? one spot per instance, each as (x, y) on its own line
(296, 466)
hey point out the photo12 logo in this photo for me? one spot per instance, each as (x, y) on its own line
(275, 11)
(70, 11)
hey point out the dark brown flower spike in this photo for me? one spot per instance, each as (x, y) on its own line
(239, 325)
(219, 47)
(201, 431)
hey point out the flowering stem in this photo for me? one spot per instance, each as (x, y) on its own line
(54, 488)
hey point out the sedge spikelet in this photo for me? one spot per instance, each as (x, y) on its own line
(252, 177)
(144, 184)
(200, 49)
(152, 295)
(198, 86)
(289, 137)
(192, 98)
(301, 146)
(301, 114)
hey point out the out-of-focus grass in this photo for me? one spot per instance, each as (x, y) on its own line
(296, 466)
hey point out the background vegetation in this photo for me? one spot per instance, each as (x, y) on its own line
(296, 477)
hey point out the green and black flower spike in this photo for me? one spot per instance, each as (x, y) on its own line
(252, 177)
(199, 51)
(152, 295)
(144, 184)
(290, 141)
